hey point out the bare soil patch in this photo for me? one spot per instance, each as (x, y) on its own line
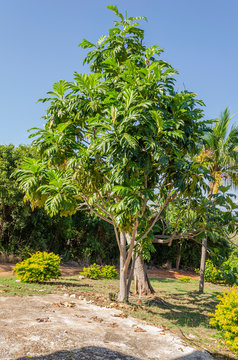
(62, 327)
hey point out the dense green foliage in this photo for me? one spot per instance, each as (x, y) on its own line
(23, 230)
(81, 237)
(225, 318)
(39, 267)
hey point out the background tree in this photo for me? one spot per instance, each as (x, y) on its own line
(220, 154)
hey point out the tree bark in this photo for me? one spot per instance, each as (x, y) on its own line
(143, 286)
(124, 290)
(178, 256)
(142, 283)
(203, 264)
(123, 293)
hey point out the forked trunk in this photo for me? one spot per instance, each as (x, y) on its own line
(142, 283)
(202, 265)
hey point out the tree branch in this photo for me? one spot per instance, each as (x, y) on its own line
(97, 213)
(157, 217)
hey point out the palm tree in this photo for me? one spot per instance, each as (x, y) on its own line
(220, 152)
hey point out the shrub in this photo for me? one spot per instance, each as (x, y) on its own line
(185, 279)
(211, 272)
(39, 267)
(225, 318)
(96, 272)
(109, 272)
(92, 272)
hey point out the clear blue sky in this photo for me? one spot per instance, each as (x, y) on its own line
(39, 46)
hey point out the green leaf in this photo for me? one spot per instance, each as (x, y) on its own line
(85, 44)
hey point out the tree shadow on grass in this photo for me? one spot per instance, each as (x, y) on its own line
(191, 308)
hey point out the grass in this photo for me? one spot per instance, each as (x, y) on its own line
(176, 306)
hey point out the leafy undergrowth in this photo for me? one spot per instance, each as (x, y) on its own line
(176, 306)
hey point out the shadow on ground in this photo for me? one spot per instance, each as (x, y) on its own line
(67, 283)
(100, 353)
(85, 353)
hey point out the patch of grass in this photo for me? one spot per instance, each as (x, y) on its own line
(176, 306)
(10, 286)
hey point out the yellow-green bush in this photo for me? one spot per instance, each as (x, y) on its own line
(41, 266)
(185, 279)
(225, 318)
(92, 272)
(96, 272)
(109, 272)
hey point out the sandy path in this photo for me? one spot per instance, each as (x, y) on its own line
(60, 327)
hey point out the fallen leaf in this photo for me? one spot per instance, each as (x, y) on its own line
(113, 325)
(70, 304)
(121, 315)
(135, 308)
(95, 318)
(43, 319)
(138, 329)
(56, 304)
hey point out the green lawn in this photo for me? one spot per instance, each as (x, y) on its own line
(176, 306)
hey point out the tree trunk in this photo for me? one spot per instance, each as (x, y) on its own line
(178, 256)
(142, 283)
(123, 291)
(203, 264)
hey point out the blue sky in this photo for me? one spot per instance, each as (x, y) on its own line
(39, 46)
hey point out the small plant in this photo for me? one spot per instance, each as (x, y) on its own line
(96, 272)
(109, 272)
(39, 267)
(225, 318)
(185, 279)
(92, 272)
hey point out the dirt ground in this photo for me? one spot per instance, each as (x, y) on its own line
(64, 327)
(7, 270)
